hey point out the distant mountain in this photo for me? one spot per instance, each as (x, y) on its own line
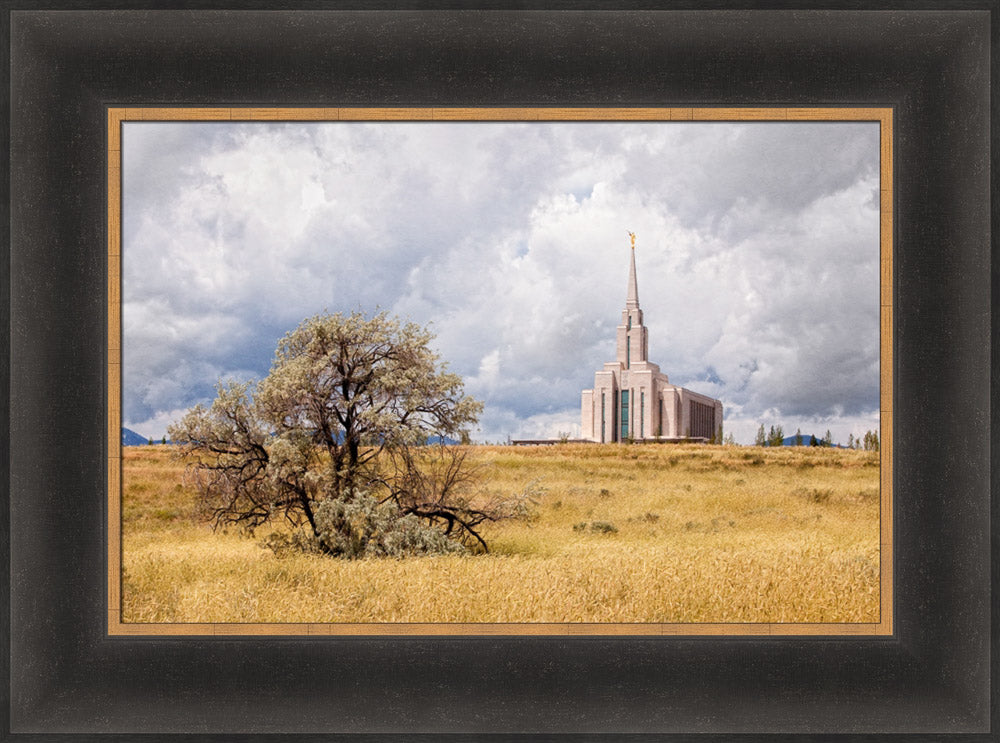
(807, 440)
(131, 438)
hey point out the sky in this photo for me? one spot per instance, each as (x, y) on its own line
(757, 257)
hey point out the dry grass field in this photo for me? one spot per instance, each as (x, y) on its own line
(640, 533)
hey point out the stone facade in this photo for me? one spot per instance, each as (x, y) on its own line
(633, 400)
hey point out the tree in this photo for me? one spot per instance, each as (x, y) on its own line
(850, 441)
(798, 437)
(828, 438)
(342, 418)
(761, 439)
(776, 436)
(871, 442)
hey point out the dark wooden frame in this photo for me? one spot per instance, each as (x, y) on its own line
(932, 676)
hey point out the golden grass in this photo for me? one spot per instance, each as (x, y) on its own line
(705, 534)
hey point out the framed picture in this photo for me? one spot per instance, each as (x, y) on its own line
(492, 226)
(81, 78)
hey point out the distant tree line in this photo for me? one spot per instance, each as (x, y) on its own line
(775, 436)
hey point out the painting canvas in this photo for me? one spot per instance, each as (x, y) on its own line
(670, 329)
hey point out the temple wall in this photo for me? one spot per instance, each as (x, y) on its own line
(587, 414)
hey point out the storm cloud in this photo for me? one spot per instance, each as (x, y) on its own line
(757, 256)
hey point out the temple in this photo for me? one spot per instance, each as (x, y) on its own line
(632, 400)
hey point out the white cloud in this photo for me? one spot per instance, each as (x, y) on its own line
(757, 256)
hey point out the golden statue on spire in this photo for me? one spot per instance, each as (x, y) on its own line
(632, 235)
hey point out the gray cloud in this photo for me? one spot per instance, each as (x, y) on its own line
(757, 255)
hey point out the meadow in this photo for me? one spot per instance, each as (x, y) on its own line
(618, 533)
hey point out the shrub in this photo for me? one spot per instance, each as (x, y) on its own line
(300, 540)
(815, 495)
(363, 527)
(603, 527)
(166, 514)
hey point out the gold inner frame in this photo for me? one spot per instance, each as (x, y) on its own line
(116, 116)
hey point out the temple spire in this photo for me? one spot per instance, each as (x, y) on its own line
(632, 300)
